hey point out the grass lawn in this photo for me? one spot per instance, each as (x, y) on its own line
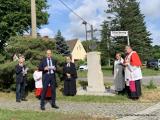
(150, 72)
(107, 71)
(33, 115)
(148, 95)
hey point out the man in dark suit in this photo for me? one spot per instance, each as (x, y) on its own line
(48, 68)
(69, 75)
(21, 72)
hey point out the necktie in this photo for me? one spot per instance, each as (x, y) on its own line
(49, 65)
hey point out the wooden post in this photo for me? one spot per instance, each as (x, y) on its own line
(33, 19)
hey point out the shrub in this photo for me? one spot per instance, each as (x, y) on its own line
(34, 51)
(151, 85)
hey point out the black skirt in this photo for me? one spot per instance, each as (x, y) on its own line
(137, 93)
(70, 87)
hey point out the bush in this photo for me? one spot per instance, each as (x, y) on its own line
(2, 58)
(151, 85)
(34, 51)
(7, 71)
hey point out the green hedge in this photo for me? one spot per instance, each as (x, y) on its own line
(33, 50)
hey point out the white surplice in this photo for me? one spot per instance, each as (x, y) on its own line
(37, 75)
(132, 73)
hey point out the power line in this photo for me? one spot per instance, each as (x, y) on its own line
(73, 11)
(84, 21)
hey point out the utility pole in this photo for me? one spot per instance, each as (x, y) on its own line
(33, 19)
(85, 23)
(92, 31)
(93, 44)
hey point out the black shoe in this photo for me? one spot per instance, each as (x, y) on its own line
(55, 106)
(18, 101)
(42, 108)
(23, 99)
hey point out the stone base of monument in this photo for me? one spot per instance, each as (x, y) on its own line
(106, 92)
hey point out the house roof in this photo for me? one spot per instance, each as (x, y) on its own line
(71, 44)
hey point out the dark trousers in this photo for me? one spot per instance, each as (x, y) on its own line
(20, 91)
(49, 79)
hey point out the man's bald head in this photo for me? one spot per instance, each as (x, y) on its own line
(128, 49)
(49, 53)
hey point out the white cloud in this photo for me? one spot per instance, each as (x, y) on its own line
(152, 16)
(155, 35)
(46, 32)
(92, 11)
(150, 8)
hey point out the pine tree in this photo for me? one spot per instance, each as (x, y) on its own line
(61, 45)
(127, 16)
(105, 44)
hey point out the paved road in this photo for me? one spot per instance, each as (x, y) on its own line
(151, 113)
(103, 110)
(145, 81)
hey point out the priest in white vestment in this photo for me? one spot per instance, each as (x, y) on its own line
(133, 74)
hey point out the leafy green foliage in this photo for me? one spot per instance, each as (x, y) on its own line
(105, 44)
(15, 16)
(156, 52)
(151, 85)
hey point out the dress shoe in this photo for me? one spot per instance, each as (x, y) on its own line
(42, 108)
(55, 106)
(23, 99)
(18, 101)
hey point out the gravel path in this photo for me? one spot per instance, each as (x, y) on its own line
(117, 110)
(146, 80)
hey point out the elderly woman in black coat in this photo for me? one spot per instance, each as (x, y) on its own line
(70, 76)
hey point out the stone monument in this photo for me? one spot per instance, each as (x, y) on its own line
(95, 77)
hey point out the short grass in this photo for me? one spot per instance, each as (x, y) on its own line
(150, 72)
(95, 99)
(107, 71)
(33, 115)
(149, 95)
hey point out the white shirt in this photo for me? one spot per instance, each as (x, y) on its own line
(50, 67)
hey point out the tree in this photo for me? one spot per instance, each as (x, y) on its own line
(105, 44)
(15, 17)
(155, 52)
(61, 45)
(126, 16)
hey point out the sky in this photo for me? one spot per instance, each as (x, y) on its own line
(93, 12)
